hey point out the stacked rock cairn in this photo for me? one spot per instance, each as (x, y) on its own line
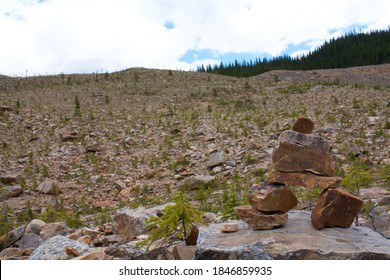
(301, 159)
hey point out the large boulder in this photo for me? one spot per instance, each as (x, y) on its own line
(269, 197)
(335, 208)
(296, 240)
(131, 222)
(304, 179)
(260, 220)
(311, 142)
(30, 240)
(11, 253)
(57, 248)
(11, 237)
(380, 218)
(289, 157)
(35, 226)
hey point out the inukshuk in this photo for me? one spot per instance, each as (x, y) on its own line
(301, 159)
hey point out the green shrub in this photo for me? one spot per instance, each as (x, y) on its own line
(178, 219)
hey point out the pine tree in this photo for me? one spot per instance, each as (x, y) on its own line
(178, 219)
(77, 106)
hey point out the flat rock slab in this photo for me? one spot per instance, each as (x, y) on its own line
(296, 240)
(312, 142)
(304, 179)
(295, 158)
(260, 220)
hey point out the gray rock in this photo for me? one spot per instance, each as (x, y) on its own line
(9, 178)
(10, 254)
(30, 240)
(297, 239)
(216, 159)
(131, 222)
(384, 201)
(6, 109)
(55, 249)
(50, 230)
(13, 191)
(130, 252)
(47, 187)
(35, 226)
(195, 182)
(380, 218)
(210, 218)
(11, 237)
(372, 121)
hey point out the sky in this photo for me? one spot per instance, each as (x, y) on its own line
(44, 37)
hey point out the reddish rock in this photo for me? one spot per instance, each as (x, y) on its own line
(107, 228)
(6, 109)
(10, 253)
(13, 191)
(229, 227)
(126, 192)
(183, 252)
(252, 145)
(303, 125)
(311, 142)
(94, 148)
(294, 158)
(119, 184)
(86, 239)
(335, 208)
(304, 179)
(268, 197)
(67, 135)
(192, 239)
(260, 220)
(9, 179)
(54, 229)
(115, 238)
(75, 235)
(71, 251)
(102, 204)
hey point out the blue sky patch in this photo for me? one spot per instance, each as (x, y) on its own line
(169, 25)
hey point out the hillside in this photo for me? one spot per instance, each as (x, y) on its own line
(350, 50)
(133, 136)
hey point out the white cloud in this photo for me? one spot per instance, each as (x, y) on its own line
(88, 35)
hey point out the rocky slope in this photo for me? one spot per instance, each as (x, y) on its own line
(75, 148)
